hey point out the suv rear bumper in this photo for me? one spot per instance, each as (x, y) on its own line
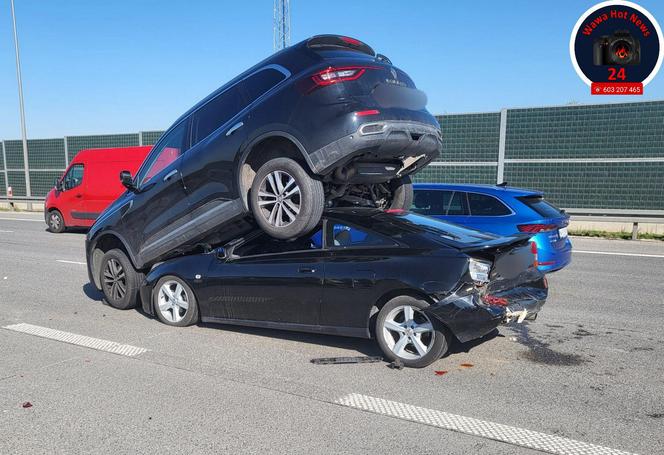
(383, 141)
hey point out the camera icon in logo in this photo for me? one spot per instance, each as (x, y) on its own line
(621, 48)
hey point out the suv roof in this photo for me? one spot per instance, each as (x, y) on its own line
(477, 188)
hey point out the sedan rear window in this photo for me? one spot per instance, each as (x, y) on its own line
(539, 205)
(398, 224)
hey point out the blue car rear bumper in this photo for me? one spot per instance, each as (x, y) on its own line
(552, 256)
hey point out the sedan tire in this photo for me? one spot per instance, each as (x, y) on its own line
(405, 333)
(285, 200)
(174, 302)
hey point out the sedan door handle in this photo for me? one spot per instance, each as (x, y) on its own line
(307, 270)
(168, 176)
(234, 128)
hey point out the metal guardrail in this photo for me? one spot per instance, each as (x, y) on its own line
(577, 214)
(618, 216)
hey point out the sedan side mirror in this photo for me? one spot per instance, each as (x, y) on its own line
(127, 180)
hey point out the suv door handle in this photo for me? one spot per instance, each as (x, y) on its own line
(168, 176)
(234, 128)
(307, 270)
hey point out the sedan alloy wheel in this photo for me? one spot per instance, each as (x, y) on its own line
(408, 332)
(173, 301)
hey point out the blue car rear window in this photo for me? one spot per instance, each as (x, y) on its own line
(542, 207)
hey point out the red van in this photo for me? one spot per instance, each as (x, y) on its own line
(89, 185)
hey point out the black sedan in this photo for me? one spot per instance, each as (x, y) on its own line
(412, 282)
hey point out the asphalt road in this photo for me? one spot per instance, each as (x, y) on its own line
(589, 369)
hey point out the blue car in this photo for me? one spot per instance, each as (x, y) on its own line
(501, 210)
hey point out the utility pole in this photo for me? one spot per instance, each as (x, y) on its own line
(281, 24)
(20, 102)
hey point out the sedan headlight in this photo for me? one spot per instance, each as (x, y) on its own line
(479, 270)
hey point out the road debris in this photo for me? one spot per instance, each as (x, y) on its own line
(344, 360)
(27, 404)
(396, 365)
(440, 372)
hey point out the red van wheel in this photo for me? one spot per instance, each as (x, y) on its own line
(55, 222)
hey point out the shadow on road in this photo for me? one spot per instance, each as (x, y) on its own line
(364, 346)
(92, 292)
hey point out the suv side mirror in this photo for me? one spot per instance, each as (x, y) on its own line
(58, 185)
(127, 180)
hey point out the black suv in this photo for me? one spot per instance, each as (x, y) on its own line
(324, 123)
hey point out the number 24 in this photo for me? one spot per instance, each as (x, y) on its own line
(616, 74)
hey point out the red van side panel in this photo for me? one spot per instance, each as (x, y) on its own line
(101, 185)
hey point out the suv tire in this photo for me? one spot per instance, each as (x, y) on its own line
(402, 193)
(119, 280)
(285, 200)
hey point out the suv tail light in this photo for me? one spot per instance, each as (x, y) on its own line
(534, 228)
(331, 75)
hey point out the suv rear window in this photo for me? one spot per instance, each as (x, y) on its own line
(544, 208)
(339, 42)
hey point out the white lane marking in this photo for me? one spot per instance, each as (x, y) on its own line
(79, 340)
(22, 219)
(3, 231)
(482, 428)
(70, 262)
(640, 255)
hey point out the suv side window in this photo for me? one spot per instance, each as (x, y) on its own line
(485, 205)
(167, 151)
(73, 177)
(260, 82)
(216, 112)
(264, 244)
(344, 236)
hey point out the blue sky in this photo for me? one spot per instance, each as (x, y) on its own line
(94, 67)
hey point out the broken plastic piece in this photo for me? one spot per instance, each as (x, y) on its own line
(27, 404)
(467, 365)
(396, 365)
(340, 360)
(440, 372)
